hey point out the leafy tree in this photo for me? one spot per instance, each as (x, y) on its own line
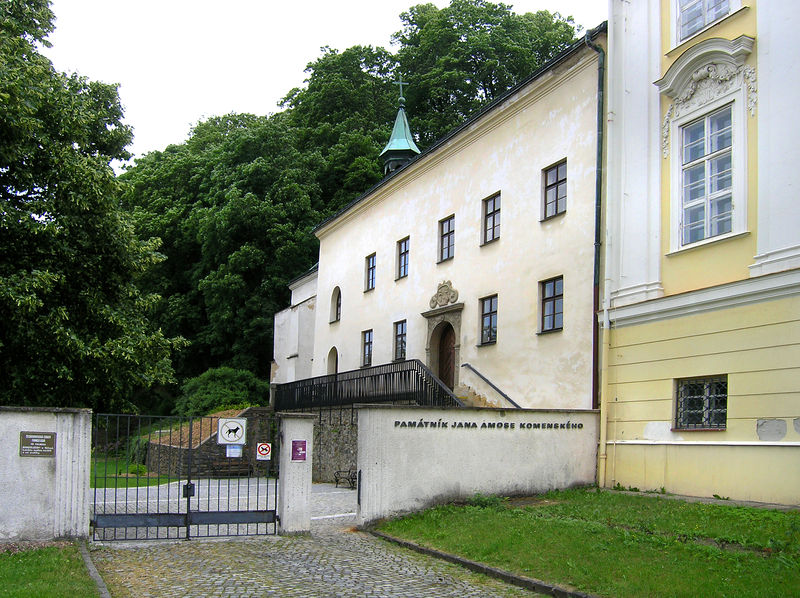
(221, 388)
(462, 56)
(234, 207)
(73, 326)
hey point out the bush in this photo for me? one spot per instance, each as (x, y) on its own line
(220, 388)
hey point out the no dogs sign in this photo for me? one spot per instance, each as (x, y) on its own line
(263, 451)
(231, 430)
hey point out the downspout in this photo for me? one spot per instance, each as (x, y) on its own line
(598, 221)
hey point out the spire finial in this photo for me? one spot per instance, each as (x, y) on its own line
(400, 83)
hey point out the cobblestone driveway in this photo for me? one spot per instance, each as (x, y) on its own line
(332, 561)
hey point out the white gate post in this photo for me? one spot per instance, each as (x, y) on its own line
(294, 481)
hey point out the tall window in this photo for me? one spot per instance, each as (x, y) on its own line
(552, 293)
(702, 403)
(489, 320)
(696, 14)
(400, 339)
(707, 177)
(402, 258)
(447, 238)
(491, 218)
(336, 305)
(369, 272)
(555, 190)
(366, 348)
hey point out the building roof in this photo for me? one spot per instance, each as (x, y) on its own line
(401, 138)
(550, 64)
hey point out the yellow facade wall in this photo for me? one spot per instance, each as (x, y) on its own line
(725, 259)
(758, 347)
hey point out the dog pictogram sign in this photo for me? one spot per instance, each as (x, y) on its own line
(231, 430)
(264, 451)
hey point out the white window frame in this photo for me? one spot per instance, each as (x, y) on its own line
(733, 6)
(736, 99)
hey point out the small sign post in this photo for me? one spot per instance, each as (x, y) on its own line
(263, 451)
(37, 444)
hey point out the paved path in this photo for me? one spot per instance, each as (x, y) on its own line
(333, 561)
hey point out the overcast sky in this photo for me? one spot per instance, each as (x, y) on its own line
(180, 61)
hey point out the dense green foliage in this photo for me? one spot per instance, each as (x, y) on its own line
(218, 389)
(235, 205)
(73, 325)
(638, 545)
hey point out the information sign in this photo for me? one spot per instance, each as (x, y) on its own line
(298, 450)
(37, 444)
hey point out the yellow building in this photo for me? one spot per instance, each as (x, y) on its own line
(700, 390)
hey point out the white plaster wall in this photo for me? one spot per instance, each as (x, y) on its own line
(633, 220)
(551, 119)
(778, 90)
(45, 497)
(293, 333)
(410, 468)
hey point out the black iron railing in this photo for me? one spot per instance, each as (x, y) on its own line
(402, 382)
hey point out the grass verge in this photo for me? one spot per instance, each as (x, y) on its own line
(619, 545)
(113, 472)
(56, 571)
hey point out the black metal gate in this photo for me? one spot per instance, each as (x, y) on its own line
(171, 477)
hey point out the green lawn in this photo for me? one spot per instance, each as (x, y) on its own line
(52, 572)
(113, 472)
(614, 544)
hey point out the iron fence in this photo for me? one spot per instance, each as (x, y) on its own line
(402, 382)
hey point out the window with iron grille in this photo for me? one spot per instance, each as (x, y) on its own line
(491, 218)
(366, 348)
(555, 190)
(369, 274)
(400, 339)
(702, 403)
(402, 257)
(552, 296)
(489, 320)
(447, 238)
(694, 15)
(707, 177)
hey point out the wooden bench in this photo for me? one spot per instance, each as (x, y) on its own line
(346, 475)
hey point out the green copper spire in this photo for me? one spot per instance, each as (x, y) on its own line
(401, 147)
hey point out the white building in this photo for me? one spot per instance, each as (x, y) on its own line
(478, 256)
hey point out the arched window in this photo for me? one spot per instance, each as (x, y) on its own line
(333, 361)
(336, 305)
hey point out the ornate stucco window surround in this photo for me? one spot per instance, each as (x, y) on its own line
(708, 77)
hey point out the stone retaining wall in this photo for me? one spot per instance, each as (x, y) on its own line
(335, 442)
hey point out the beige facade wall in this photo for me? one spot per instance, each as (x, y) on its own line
(505, 151)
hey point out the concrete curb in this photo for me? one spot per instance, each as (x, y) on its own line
(518, 580)
(87, 558)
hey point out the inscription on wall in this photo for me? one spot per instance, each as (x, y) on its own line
(442, 424)
(37, 444)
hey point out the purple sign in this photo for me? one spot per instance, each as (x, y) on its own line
(298, 450)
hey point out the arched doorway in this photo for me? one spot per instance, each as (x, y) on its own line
(447, 355)
(333, 361)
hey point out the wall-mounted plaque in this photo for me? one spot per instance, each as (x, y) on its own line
(37, 444)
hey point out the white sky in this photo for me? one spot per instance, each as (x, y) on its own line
(180, 61)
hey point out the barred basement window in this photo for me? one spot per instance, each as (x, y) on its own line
(702, 403)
